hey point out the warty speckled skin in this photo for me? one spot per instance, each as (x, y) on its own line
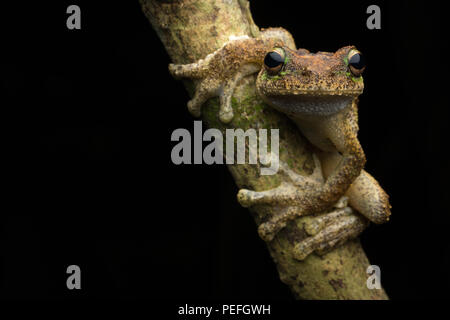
(319, 93)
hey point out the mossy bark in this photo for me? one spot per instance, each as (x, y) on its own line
(191, 29)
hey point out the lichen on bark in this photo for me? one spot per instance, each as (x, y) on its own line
(190, 30)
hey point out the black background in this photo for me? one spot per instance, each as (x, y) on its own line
(87, 178)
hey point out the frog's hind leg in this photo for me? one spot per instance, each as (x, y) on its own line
(366, 196)
(328, 231)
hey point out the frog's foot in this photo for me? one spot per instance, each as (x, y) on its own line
(212, 84)
(328, 231)
(342, 203)
(205, 89)
(292, 198)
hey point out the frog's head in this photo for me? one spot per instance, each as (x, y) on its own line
(303, 83)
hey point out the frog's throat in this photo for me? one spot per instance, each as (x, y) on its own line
(309, 105)
(333, 132)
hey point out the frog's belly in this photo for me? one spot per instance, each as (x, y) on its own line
(295, 105)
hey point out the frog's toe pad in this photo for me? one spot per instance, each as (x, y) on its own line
(247, 198)
(341, 203)
(194, 108)
(226, 113)
(179, 71)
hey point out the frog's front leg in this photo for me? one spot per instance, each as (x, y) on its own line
(211, 85)
(365, 194)
(219, 73)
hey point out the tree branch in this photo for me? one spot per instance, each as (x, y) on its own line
(192, 29)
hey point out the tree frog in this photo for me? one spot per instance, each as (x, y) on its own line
(319, 92)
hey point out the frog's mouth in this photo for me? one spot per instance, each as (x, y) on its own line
(320, 105)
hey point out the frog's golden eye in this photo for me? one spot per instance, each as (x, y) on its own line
(356, 62)
(274, 61)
